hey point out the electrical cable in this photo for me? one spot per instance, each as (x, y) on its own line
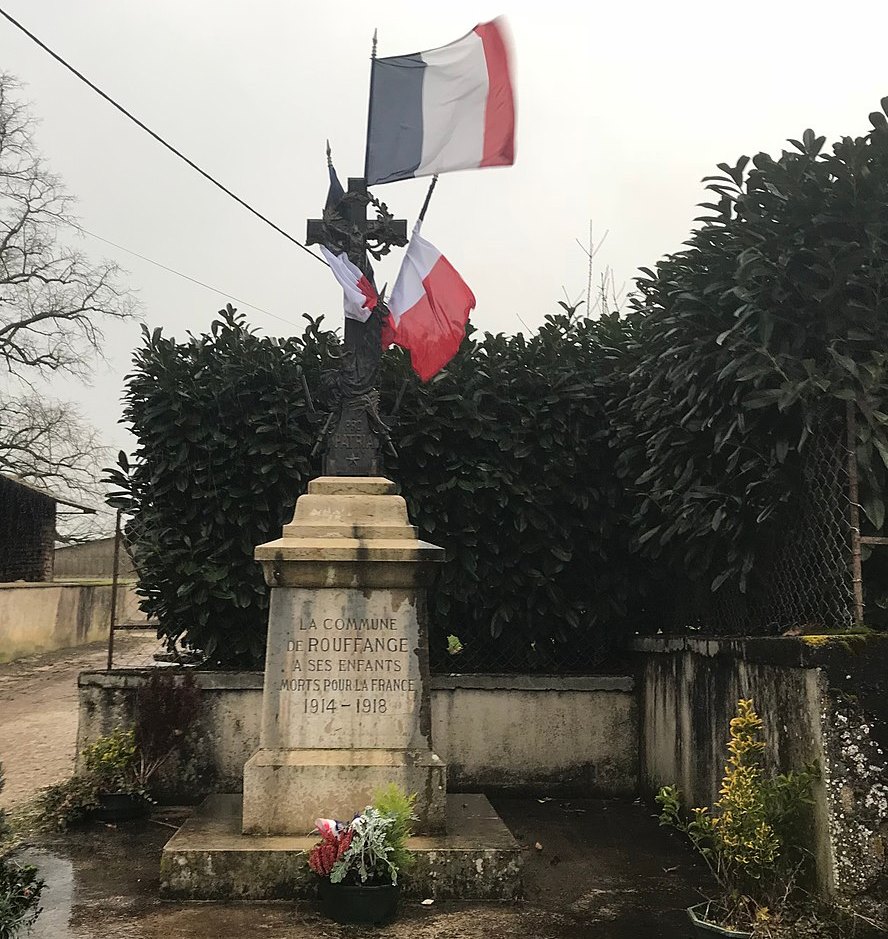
(158, 138)
(172, 270)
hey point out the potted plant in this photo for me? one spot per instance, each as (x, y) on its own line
(111, 765)
(358, 863)
(119, 769)
(752, 839)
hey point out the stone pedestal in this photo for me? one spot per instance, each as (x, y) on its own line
(346, 696)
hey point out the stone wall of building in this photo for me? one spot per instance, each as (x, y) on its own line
(92, 559)
(567, 736)
(824, 701)
(27, 533)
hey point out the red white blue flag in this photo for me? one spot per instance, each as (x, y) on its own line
(429, 307)
(446, 109)
(359, 295)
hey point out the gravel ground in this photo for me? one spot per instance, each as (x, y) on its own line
(38, 712)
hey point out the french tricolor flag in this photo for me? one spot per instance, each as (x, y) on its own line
(358, 294)
(429, 307)
(446, 109)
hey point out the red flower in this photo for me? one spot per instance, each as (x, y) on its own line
(328, 851)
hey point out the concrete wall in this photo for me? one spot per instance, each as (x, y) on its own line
(823, 700)
(576, 735)
(40, 617)
(557, 735)
(91, 559)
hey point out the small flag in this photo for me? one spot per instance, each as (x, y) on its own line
(446, 109)
(429, 306)
(335, 192)
(359, 295)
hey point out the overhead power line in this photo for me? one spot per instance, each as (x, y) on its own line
(158, 138)
(172, 270)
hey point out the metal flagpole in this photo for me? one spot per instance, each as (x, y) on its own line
(370, 104)
(428, 198)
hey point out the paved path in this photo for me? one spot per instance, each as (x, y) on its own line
(38, 713)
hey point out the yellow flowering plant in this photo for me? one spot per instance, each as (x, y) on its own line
(753, 837)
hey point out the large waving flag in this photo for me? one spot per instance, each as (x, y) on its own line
(359, 295)
(446, 109)
(429, 307)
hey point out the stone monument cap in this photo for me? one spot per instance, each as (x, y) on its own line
(353, 485)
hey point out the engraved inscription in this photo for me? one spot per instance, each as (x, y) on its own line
(349, 680)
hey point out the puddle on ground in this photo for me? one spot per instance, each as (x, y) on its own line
(58, 896)
(102, 883)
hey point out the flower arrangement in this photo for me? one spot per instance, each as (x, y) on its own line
(371, 849)
(753, 840)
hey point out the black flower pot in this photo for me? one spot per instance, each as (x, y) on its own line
(119, 807)
(359, 903)
(704, 929)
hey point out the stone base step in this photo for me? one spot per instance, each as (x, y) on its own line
(210, 859)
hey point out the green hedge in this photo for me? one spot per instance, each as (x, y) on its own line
(745, 343)
(582, 479)
(504, 460)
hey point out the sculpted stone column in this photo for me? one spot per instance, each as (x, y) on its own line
(346, 702)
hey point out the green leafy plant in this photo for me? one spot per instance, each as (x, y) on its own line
(20, 890)
(368, 856)
(394, 803)
(20, 886)
(753, 838)
(371, 848)
(754, 336)
(489, 458)
(61, 805)
(112, 762)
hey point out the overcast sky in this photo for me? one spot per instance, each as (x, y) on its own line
(622, 108)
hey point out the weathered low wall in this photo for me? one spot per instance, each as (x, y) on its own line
(562, 735)
(576, 735)
(40, 617)
(823, 700)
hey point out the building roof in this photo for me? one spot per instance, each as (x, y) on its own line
(61, 500)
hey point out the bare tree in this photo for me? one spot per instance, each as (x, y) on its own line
(51, 296)
(52, 302)
(45, 443)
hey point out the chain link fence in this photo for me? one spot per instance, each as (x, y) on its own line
(805, 580)
(809, 580)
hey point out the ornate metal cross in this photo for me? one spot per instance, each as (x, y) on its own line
(355, 435)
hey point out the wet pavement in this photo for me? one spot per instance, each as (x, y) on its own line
(603, 869)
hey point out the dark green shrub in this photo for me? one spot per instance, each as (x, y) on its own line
(224, 442)
(20, 887)
(745, 343)
(504, 459)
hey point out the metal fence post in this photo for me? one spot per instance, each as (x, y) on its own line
(114, 578)
(854, 510)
